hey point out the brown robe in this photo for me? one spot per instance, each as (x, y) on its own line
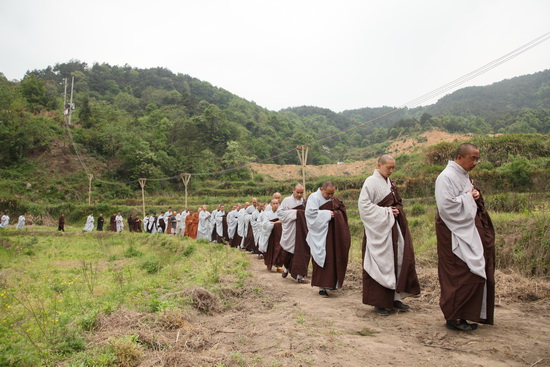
(298, 262)
(61, 226)
(332, 274)
(462, 290)
(137, 223)
(249, 244)
(373, 293)
(193, 224)
(188, 220)
(225, 237)
(272, 254)
(112, 223)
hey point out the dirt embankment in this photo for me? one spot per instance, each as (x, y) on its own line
(287, 172)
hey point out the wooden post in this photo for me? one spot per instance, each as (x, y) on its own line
(185, 177)
(302, 154)
(142, 184)
(90, 178)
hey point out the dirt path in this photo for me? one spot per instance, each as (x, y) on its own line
(289, 324)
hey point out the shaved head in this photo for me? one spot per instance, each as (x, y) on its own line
(465, 149)
(385, 158)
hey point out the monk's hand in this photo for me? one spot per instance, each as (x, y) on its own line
(395, 211)
(474, 193)
(332, 213)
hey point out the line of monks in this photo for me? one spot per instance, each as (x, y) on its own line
(291, 233)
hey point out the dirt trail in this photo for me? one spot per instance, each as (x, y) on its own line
(289, 324)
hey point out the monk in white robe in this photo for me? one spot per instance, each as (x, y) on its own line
(328, 238)
(289, 211)
(221, 225)
(269, 243)
(21, 222)
(146, 223)
(89, 226)
(389, 273)
(5, 221)
(203, 230)
(241, 229)
(465, 245)
(119, 222)
(232, 222)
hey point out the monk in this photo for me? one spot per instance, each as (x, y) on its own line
(328, 238)
(112, 223)
(389, 273)
(465, 245)
(194, 223)
(271, 236)
(137, 223)
(295, 251)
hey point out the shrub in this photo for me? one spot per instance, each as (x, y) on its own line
(418, 209)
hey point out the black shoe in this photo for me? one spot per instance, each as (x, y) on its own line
(460, 326)
(398, 305)
(284, 274)
(323, 293)
(381, 311)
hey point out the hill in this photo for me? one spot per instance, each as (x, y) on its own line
(131, 123)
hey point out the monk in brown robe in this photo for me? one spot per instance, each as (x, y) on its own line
(465, 245)
(193, 224)
(328, 237)
(112, 223)
(389, 273)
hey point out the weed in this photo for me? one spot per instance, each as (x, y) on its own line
(132, 252)
(90, 274)
(367, 332)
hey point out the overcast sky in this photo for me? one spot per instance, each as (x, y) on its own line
(333, 54)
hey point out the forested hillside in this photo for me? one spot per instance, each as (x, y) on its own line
(132, 122)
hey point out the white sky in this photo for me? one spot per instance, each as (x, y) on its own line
(284, 53)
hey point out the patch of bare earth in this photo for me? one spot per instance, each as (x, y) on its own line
(278, 322)
(287, 172)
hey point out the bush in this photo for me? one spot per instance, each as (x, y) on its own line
(518, 172)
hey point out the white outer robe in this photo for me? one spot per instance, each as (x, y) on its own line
(21, 222)
(204, 220)
(266, 226)
(89, 224)
(232, 223)
(457, 208)
(219, 222)
(5, 221)
(287, 215)
(317, 225)
(378, 222)
(119, 223)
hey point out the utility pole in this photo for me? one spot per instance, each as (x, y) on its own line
(185, 177)
(302, 154)
(142, 184)
(90, 178)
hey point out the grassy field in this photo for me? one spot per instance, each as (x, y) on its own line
(55, 288)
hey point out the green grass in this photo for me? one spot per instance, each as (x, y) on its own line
(53, 286)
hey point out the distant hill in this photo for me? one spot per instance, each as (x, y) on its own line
(131, 122)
